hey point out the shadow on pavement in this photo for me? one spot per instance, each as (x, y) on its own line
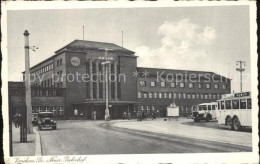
(214, 125)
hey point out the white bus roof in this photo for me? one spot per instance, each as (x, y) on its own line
(236, 96)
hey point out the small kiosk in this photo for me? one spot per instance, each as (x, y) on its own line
(172, 111)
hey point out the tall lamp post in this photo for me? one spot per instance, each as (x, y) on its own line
(106, 63)
(241, 69)
(28, 97)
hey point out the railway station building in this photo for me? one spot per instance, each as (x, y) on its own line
(71, 84)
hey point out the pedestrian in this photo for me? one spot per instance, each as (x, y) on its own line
(16, 120)
(19, 120)
(124, 115)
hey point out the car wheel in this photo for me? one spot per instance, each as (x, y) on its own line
(236, 124)
(229, 123)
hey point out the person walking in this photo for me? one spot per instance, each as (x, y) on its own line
(16, 120)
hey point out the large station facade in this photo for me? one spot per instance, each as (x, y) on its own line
(71, 84)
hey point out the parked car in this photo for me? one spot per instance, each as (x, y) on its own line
(34, 118)
(45, 121)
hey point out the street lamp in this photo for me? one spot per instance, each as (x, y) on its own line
(241, 69)
(106, 63)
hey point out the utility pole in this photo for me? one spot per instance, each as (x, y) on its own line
(83, 32)
(122, 39)
(241, 69)
(28, 97)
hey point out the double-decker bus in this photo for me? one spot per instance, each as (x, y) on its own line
(205, 111)
(234, 110)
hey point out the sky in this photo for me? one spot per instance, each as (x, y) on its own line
(190, 38)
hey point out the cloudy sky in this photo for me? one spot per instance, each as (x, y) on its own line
(189, 38)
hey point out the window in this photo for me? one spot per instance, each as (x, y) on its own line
(184, 95)
(243, 104)
(216, 86)
(249, 104)
(191, 85)
(76, 112)
(228, 104)
(208, 86)
(61, 110)
(222, 105)
(182, 85)
(155, 95)
(58, 63)
(139, 95)
(179, 95)
(142, 83)
(153, 83)
(200, 85)
(209, 107)
(148, 110)
(210, 96)
(188, 95)
(206, 96)
(160, 95)
(163, 84)
(224, 86)
(172, 85)
(150, 95)
(174, 95)
(214, 96)
(145, 95)
(170, 95)
(193, 96)
(165, 95)
(218, 96)
(213, 107)
(235, 104)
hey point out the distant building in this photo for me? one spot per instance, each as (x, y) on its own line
(138, 88)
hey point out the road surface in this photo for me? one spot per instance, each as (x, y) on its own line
(99, 137)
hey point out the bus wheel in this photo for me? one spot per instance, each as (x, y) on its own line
(236, 124)
(229, 123)
(208, 118)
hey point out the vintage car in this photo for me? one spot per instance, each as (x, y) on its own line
(34, 118)
(45, 121)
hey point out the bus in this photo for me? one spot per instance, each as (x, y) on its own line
(205, 111)
(234, 110)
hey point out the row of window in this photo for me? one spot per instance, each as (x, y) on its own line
(178, 95)
(48, 83)
(235, 104)
(43, 69)
(181, 84)
(56, 110)
(47, 93)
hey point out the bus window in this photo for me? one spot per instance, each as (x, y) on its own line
(213, 107)
(235, 104)
(219, 105)
(243, 104)
(222, 105)
(209, 107)
(228, 104)
(202, 107)
(249, 104)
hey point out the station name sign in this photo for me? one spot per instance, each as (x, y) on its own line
(243, 94)
(103, 58)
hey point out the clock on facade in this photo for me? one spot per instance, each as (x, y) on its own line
(75, 61)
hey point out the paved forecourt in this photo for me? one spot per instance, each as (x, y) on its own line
(176, 128)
